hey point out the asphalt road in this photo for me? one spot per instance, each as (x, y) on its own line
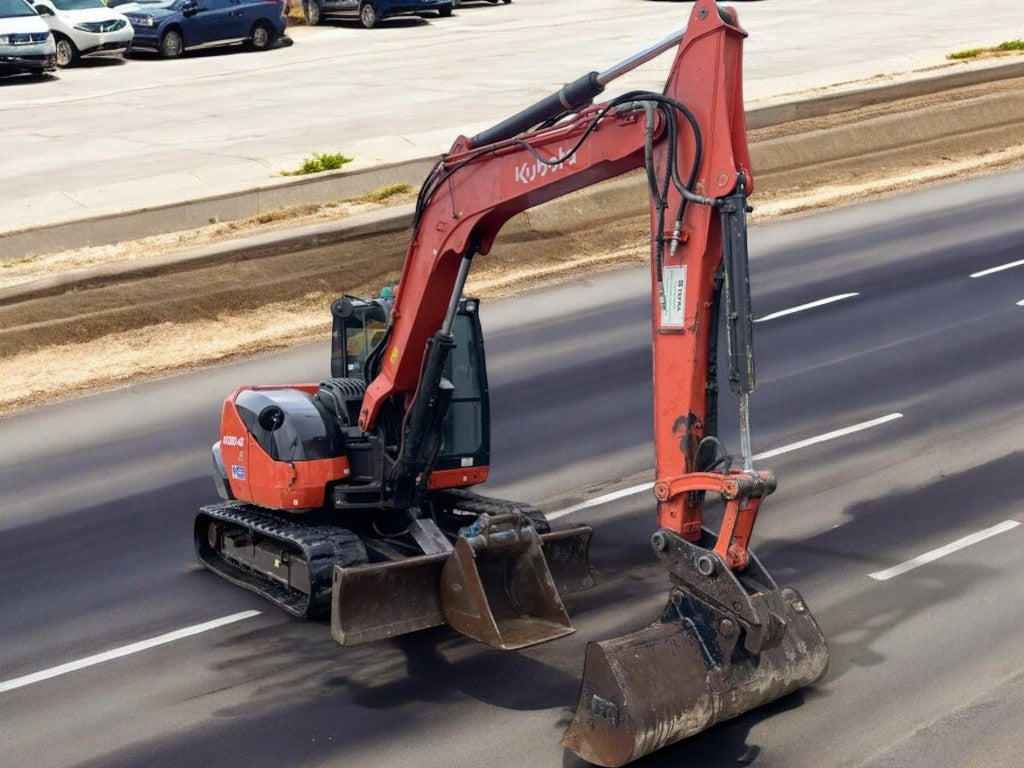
(113, 135)
(927, 666)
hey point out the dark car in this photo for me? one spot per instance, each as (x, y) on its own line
(171, 27)
(369, 12)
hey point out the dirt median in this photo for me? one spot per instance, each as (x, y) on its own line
(99, 333)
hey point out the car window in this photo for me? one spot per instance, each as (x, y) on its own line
(76, 5)
(10, 8)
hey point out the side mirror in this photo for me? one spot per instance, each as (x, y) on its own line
(191, 8)
(42, 10)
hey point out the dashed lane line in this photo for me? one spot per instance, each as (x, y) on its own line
(124, 650)
(935, 554)
(634, 489)
(802, 307)
(1000, 268)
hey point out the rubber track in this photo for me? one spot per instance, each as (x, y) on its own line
(321, 546)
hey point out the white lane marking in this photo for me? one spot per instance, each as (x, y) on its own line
(802, 307)
(599, 500)
(1000, 268)
(1020, 303)
(935, 554)
(124, 650)
(623, 492)
(830, 435)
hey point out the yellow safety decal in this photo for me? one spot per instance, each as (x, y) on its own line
(393, 356)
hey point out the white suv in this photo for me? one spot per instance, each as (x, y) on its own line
(85, 28)
(26, 44)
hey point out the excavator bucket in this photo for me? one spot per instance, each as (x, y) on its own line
(497, 588)
(500, 584)
(724, 645)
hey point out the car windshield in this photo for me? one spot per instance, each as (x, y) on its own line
(10, 8)
(77, 5)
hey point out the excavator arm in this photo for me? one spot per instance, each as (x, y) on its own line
(692, 141)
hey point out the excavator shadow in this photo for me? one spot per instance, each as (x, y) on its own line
(439, 664)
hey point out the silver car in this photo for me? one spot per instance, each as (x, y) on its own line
(26, 44)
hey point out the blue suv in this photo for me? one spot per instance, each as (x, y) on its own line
(171, 27)
(369, 12)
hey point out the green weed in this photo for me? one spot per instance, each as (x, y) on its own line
(382, 194)
(319, 163)
(972, 53)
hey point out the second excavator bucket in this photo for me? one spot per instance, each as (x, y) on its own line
(724, 645)
(496, 586)
(500, 584)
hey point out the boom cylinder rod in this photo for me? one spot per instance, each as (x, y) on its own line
(746, 451)
(634, 61)
(570, 97)
(453, 302)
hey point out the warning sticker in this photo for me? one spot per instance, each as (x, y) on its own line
(674, 281)
(237, 472)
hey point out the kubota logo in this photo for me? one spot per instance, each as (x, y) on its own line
(527, 172)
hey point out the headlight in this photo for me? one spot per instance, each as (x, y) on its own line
(24, 38)
(143, 21)
(100, 26)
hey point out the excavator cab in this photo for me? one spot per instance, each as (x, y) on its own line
(358, 336)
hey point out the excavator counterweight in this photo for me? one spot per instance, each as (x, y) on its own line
(353, 495)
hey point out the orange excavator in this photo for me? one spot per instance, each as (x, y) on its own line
(353, 496)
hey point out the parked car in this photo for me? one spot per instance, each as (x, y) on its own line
(84, 28)
(26, 44)
(172, 27)
(369, 12)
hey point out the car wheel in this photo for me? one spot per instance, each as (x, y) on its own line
(261, 37)
(67, 54)
(311, 9)
(444, 11)
(368, 15)
(171, 44)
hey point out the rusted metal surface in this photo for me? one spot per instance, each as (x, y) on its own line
(724, 644)
(382, 600)
(567, 553)
(500, 588)
(496, 586)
